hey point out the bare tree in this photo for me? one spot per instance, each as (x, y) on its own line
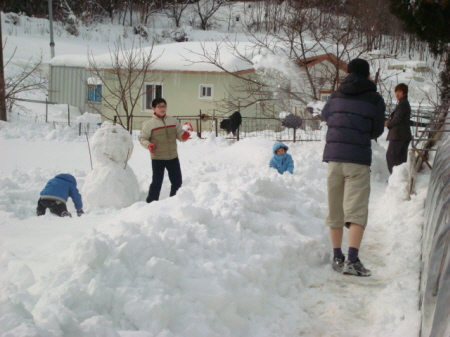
(20, 81)
(146, 8)
(2, 81)
(206, 9)
(66, 15)
(299, 42)
(94, 11)
(122, 78)
(175, 9)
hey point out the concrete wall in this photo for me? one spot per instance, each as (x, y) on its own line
(435, 277)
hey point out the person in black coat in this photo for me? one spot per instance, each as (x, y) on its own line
(354, 115)
(399, 125)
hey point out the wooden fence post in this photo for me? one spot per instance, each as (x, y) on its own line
(215, 122)
(199, 126)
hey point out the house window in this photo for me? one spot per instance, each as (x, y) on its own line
(151, 91)
(324, 95)
(94, 93)
(206, 91)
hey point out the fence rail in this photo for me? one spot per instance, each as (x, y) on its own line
(251, 127)
(424, 142)
(268, 128)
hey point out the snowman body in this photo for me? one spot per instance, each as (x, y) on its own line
(112, 182)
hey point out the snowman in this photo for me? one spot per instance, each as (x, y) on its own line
(111, 182)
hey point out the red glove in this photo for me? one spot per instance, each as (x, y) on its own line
(185, 135)
(151, 148)
(188, 127)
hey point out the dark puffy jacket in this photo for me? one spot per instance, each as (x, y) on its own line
(400, 121)
(354, 115)
(62, 187)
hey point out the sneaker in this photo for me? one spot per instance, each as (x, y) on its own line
(338, 263)
(65, 213)
(356, 269)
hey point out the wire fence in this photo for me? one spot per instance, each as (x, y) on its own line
(251, 127)
(311, 128)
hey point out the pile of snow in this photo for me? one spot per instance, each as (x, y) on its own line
(283, 114)
(37, 131)
(240, 250)
(315, 108)
(88, 118)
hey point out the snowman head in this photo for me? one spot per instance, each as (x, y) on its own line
(112, 143)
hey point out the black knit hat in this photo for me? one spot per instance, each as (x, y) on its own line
(358, 66)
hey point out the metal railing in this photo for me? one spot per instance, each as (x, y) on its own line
(425, 141)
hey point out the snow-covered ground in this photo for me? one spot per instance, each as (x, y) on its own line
(239, 251)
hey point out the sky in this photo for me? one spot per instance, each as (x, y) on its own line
(239, 251)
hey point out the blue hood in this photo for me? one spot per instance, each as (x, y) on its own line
(277, 145)
(67, 177)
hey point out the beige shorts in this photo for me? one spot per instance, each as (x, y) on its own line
(348, 194)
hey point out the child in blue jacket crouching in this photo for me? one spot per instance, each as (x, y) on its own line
(56, 193)
(281, 160)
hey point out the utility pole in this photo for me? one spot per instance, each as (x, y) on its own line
(50, 19)
(2, 79)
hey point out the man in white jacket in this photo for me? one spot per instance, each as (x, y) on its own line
(159, 135)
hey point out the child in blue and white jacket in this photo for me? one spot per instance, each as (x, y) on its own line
(281, 160)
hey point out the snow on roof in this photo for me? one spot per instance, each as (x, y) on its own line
(184, 56)
(187, 56)
(69, 60)
(380, 53)
(94, 81)
(410, 64)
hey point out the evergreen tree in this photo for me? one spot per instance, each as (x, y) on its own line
(429, 20)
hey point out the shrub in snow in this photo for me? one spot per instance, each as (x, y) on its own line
(71, 24)
(12, 18)
(111, 182)
(179, 35)
(292, 122)
(72, 29)
(141, 31)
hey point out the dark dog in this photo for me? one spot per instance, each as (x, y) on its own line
(232, 123)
